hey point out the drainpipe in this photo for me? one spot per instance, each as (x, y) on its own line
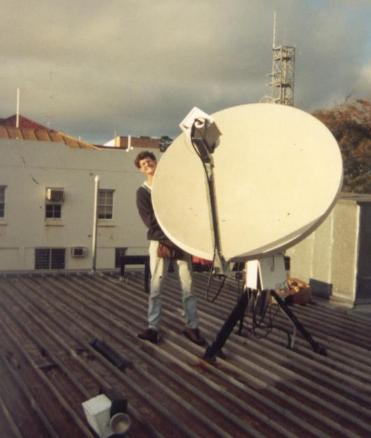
(95, 223)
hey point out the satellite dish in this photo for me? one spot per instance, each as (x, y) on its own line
(277, 174)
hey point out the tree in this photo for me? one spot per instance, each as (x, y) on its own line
(350, 123)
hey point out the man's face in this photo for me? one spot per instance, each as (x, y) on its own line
(147, 166)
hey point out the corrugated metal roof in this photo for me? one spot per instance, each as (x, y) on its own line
(261, 388)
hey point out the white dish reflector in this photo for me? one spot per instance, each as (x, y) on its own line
(277, 171)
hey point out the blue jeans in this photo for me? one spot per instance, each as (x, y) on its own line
(159, 268)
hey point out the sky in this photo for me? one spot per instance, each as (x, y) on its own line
(96, 68)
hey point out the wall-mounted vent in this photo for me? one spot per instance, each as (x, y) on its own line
(55, 195)
(79, 251)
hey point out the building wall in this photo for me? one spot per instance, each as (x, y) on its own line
(345, 250)
(27, 168)
(334, 256)
(364, 259)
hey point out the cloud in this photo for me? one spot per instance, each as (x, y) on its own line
(90, 68)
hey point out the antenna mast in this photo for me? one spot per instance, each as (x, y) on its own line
(17, 109)
(274, 29)
(283, 71)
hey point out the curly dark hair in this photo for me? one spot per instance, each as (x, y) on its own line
(142, 155)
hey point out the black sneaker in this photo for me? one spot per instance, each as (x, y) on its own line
(194, 336)
(150, 335)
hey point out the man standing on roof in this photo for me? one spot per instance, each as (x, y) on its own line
(146, 163)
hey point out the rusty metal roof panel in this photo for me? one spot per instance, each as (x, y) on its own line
(260, 388)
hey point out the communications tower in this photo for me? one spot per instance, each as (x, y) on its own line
(283, 72)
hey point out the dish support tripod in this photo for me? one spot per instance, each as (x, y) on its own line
(237, 316)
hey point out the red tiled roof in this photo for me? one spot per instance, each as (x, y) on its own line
(24, 122)
(30, 130)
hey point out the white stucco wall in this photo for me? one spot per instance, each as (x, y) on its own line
(27, 168)
(330, 253)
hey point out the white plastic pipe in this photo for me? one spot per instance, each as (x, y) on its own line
(17, 109)
(95, 224)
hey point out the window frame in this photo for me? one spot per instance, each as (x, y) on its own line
(105, 205)
(51, 263)
(2, 200)
(53, 207)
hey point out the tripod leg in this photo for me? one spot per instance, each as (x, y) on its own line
(240, 322)
(236, 315)
(240, 326)
(317, 348)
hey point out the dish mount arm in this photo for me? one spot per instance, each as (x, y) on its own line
(204, 136)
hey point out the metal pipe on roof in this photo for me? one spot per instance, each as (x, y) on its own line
(95, 223)
(17, 110)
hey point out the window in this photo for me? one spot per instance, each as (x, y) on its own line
(54, 198)
(53, 211)
(50, 258)
(119, 252)
(53, 204)
(105, 204)
(2, 201)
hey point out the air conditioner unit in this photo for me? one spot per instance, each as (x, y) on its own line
(79, 251)
(55, 195)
